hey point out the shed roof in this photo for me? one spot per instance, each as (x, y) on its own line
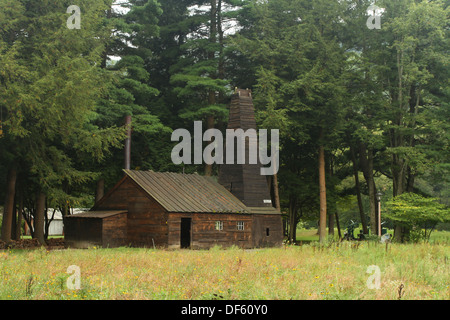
(97, 214)
(178, 192)
(263, 210)
(56, 214)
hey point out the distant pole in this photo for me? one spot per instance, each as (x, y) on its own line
(100, 190)
(379, 218)
(127, 163)
(379, 194)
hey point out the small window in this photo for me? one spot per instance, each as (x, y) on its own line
(219, 225)
(240, 225)
(267, 232)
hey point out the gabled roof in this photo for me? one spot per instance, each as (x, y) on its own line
(178, 192)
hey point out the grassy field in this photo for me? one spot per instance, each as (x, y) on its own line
(308, 235)
(334, 271)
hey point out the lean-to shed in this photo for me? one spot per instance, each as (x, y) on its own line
(96, 228)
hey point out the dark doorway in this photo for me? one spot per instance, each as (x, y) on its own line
(185, 234)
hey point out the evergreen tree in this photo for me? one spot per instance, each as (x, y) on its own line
(49, 96)
(133, 93)
(300, 65)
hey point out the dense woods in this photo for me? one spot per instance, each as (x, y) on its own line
(360, 110)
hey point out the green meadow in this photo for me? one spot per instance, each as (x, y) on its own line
(336, 270)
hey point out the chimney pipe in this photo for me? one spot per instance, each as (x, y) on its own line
(128, 143)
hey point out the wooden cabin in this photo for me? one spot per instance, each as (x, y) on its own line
(153, 209)
(173, 210)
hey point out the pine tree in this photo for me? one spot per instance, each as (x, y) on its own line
(133, 93)
(197, 75)
(49, 97)
(300, 64)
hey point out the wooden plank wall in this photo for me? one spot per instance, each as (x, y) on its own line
(147, 220)
(148, 224)
(263, 222)
(114, 231)
(203, 232)
(117, 199)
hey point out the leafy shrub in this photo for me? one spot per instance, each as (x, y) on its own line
(419, 214)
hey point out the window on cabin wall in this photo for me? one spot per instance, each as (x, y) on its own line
(219, 225)
(240, 225)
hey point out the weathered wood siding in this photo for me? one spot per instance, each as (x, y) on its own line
(114, 231)
(146, 218)
(203, 230)
(267, 230)
(147, 221)
(244, 180)
(116, 199)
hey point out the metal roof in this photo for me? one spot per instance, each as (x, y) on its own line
(97, 214)
(57, 214)
(263, 210)
(178, 192)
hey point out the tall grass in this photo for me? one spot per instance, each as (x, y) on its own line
(333, 271)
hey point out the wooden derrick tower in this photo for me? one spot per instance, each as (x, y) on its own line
(244, 180)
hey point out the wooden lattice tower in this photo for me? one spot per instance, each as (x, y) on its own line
(244, 180)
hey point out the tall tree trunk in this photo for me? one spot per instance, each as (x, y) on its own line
(399, 165)
(398, 169)
(213, 25)
(14, 220)
(276, 194)
(413, 111)
(211, 56)
(19, 217)
(221, 65)
(127, 147)
(410, 179)
(333, 204)
(322, 192)
(358, 191)
(105, 53)
(331, 225)
(209, 125)
(292, 219)
(39, 219)
(366, 161)
(398, 175)
(8, 210)
(337, 224)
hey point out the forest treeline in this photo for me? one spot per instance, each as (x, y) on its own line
(360, 109)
